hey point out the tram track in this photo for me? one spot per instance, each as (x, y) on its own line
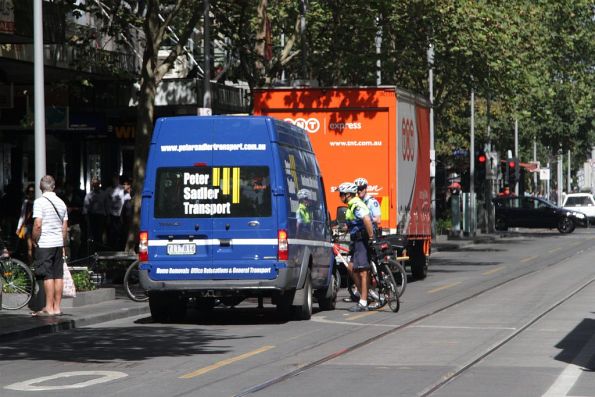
(462, 369)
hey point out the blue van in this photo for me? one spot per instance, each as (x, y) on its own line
(234, 207)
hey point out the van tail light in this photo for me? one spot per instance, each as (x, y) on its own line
(283, 250)
(143, 247)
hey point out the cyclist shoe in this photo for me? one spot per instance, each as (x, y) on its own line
(350, 299)
(359, 308)
(374, 295)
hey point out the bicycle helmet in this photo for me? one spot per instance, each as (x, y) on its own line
(347, 187)
(361, 183)
(303, 194)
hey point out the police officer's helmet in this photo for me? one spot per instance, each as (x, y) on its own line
(347, 187)
(303, 194)
(361, 183)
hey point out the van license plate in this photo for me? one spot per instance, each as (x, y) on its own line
(181, 249)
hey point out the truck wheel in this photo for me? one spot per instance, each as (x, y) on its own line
(158, 306)
(304, 310)
(419, 264)
(330, 302)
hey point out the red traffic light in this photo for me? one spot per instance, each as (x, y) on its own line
(481, 158)
(512, 164)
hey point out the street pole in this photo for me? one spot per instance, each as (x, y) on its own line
(303, 9)
(472, 222)
(430, 56)
(378, 50)
(535, 188)
(39, 93)
(516, 152)
(560, 176)
(206, 102)
(593, 170)
(568, 176)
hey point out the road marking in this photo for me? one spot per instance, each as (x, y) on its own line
(102, 376)
(462, 327)
(571, 373)
(443, 287)
(225, 362)
(554, 250)
(529, 258)
(358, 316)
(322, 319)
(494, 270)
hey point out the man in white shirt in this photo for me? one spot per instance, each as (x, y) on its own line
(115, 202)
(50, 227)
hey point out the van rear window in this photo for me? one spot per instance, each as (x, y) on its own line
(203, 192)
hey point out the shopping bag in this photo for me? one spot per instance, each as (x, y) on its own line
(22, 232)
(68, 291)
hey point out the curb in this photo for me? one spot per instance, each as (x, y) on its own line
(65, 323)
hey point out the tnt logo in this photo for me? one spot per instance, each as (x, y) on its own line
(311, 125)
(407, 134)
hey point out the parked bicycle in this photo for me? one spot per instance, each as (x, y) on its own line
(16, 280)
(382, 279)
(132, 284)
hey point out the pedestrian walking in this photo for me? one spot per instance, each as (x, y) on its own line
(50, 228)
(127, 212)
(25, 223)
(94, 208)
(115, 203)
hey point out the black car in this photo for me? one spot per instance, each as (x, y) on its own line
(534, 212)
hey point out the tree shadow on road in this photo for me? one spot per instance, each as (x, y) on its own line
(99, 345)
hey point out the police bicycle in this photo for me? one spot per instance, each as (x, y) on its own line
(382, 279)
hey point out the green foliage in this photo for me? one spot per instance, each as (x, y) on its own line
(82, 280)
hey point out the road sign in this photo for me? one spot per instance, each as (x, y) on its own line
(492, 165)
(544, 174)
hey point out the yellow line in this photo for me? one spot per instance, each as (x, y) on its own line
(494, 270)
(443, 287)
(358, 316)
(225, 362)
(529, 258)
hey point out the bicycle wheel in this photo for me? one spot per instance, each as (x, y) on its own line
(399, 275)
(388, 287)
(17, 281)
(132, 284)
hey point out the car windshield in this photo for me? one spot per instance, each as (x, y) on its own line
(578, 201)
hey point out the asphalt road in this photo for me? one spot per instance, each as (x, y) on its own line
(510, 318)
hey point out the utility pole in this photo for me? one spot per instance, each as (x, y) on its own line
(560, 176)
(516, 152)
(535, 187)
(303, 9)
(39, 93)
(206, 102)
(378, 50)
(430, 56)
(568, 176)
(473, 217)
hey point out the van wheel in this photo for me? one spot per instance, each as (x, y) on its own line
(419, 264)
(330, 302)
(304, 310)
(158, 306)
(166, 307)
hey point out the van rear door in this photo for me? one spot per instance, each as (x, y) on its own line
(247, 237)
(181, 226)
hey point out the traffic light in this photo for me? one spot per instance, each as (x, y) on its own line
(480, 166)
(513, 170)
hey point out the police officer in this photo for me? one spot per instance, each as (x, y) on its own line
(370, 201)
(361, 232)
(304, 218)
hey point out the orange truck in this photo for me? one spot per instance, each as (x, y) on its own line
(378, 133)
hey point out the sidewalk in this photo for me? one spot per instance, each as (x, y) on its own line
(445, 243)
(18, 324)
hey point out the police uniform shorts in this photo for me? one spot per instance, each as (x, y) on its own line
(48, 263)
(359, 255)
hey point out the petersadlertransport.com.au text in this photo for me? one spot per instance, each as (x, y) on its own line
(355, 143)
(204, 147)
